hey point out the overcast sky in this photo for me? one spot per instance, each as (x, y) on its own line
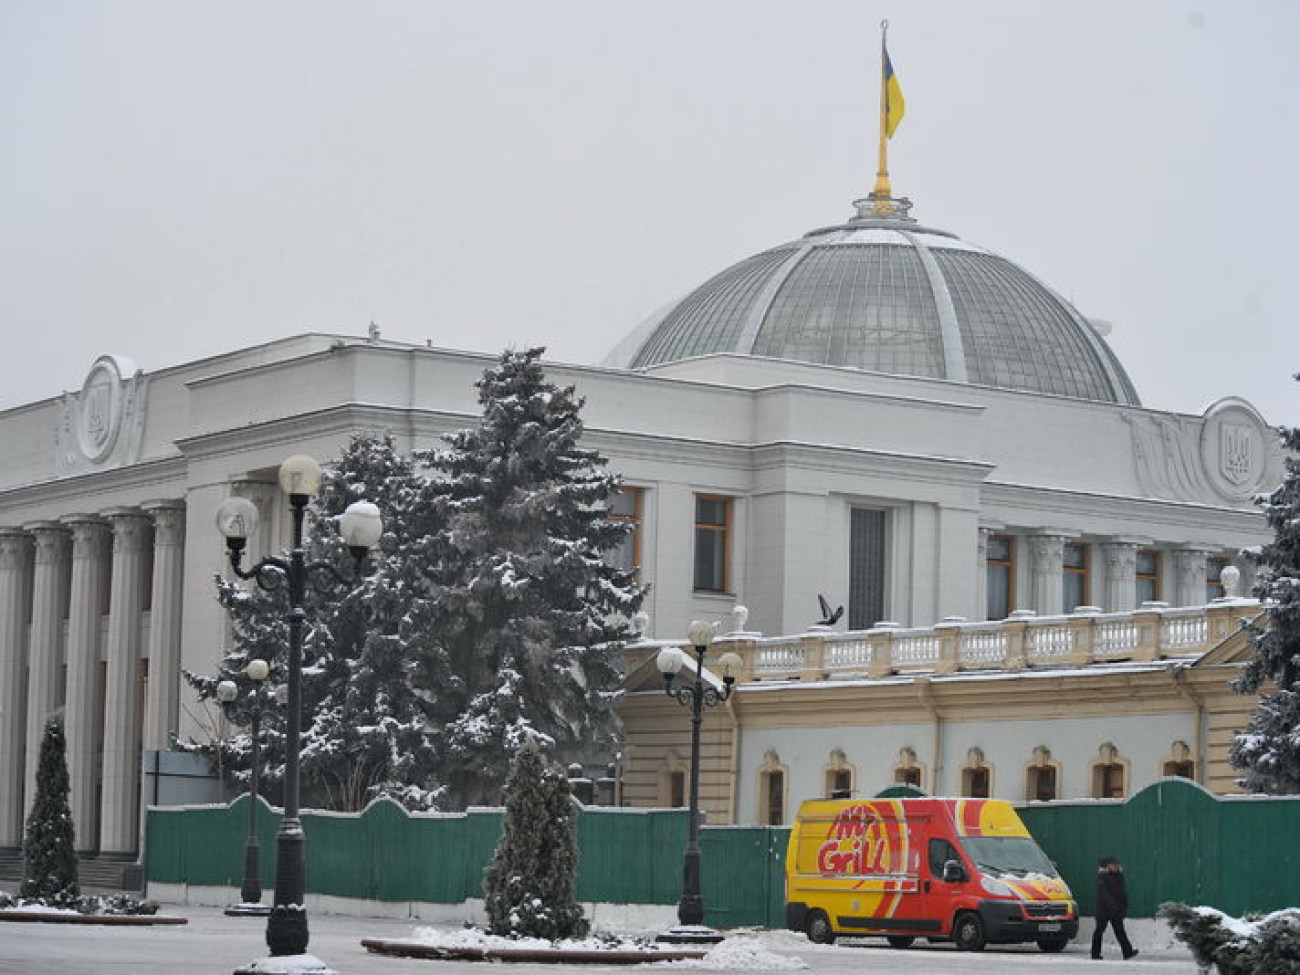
(181, 178)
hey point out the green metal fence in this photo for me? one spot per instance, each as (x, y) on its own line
(1177, 841)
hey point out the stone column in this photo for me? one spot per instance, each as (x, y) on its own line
(15, 560)
(1120, 557)
(90, 543)
(45, 649)
(1046, 557)
(1189, 575)
(119, 806)
(160, 713)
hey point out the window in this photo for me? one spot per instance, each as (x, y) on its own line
(867, 527)
(1042, 776)
(941, 851)
(676, 790)
(839, 775)
(771, 790)
(1214, 567)
(774, 789)
(908, 770)
(712, 543)
(1148, 575)
(626, 507)
(1001, 562)
(975, 783)
(1179, 763)
(908, 775)
(1074, 587)
(976, 777)
(1109, 774)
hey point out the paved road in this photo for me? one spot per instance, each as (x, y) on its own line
(214, 943)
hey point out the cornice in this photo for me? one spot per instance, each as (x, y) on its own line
(155, 474)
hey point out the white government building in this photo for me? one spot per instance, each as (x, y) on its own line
(878, 412)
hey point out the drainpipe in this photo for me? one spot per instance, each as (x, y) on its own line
(926, 694)
(734, 800)
(1179, 677)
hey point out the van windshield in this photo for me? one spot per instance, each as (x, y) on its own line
(1017, 855)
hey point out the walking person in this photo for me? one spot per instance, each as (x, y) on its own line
(1112, 906)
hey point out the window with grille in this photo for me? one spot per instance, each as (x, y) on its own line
(866, 567)
(1108, 781)
(975, 783)
(676, 790)
(774, 798)
(1041, 783)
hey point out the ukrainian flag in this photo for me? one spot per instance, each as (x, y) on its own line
(894, 104)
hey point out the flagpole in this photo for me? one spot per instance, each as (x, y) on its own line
(883, 190)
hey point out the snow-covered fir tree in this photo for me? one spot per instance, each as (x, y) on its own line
(530, 885)
(368, 722)
(531, 613)
(49, 859)
(1269, 750)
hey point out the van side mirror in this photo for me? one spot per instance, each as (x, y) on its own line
(954, 872)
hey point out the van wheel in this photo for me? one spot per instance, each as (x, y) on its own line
(900, 940)
(1052, 945)
(819, 929)
(968, 932)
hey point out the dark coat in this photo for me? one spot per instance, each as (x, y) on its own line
(1112, 895)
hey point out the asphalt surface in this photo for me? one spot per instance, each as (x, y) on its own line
(213, 942)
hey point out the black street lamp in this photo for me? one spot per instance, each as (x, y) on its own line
(696, 695)
(360, 527)
(250, 893)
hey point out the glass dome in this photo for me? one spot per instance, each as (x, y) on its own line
(888, 295)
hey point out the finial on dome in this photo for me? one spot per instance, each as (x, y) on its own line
(881, 203)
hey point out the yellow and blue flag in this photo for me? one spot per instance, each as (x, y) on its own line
(894, 104)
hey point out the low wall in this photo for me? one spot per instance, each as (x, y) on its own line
(1177, 841)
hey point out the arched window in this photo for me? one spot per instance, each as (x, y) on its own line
(1042, 776)
(1109, 774)
(772, 779)
(976, 776)
(1179, 763)
(839, 776)
(908, 770)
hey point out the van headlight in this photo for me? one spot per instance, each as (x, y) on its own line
(995, 887)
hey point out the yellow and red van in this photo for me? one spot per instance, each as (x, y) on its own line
(960, 870)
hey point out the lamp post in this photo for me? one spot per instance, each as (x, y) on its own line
(250, 893)
(695, 695)
(360, 527)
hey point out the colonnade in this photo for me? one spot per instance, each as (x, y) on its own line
(1111, 570)
(90, 622)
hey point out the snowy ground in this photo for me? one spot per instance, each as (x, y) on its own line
(212, 942)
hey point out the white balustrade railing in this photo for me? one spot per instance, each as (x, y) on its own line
(1183, 630)
(915, 649)
(983, 645)
(1049, 641)
(852, 654)
(1074, 640)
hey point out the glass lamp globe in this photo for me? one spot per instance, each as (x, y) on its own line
(237, 518)
(257, 669)
(300, 475)
(361, 525)
(227, 691)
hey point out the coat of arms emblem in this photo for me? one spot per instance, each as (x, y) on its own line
(1236, 452)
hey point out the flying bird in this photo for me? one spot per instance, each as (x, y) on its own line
(829, 617)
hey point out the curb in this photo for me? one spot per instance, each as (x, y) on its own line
(416, 949)
(49, 917)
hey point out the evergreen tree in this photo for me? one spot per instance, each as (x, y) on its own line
(49, 859)
(530, 613)
(1269, 750)
(530, 884)
(367, 719)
